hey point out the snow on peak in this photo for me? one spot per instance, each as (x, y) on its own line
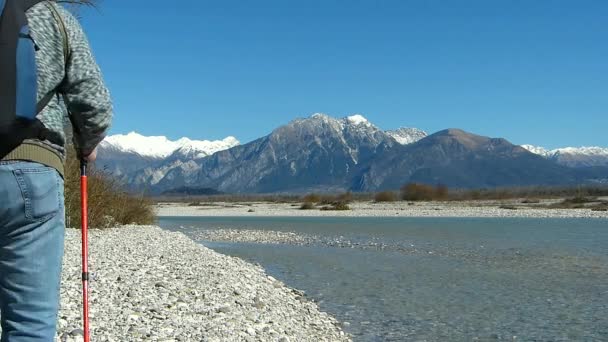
(357, 119)
(585, 150)
(154, 146)
(405, 135)
(537, 150)
(161, 147)
(203, 148)
(319, 116)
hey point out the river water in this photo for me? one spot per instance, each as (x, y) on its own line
(439, 279)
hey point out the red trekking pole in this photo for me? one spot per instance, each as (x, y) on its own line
(85, 246)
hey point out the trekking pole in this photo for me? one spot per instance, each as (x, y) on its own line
(85, 246)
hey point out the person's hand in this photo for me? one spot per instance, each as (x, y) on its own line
(91, 157)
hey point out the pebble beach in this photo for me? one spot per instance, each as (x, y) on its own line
(510, 208)
(148, 284)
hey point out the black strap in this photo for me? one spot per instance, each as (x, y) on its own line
(27, 4)
(45, 101)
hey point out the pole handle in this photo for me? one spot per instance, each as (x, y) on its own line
(83, 167)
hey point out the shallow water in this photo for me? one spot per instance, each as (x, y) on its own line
(440, 279)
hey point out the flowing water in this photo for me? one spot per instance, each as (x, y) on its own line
(439, 279)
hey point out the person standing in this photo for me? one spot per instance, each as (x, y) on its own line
(32, 213)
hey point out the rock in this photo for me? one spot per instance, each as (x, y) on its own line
(133, 317)
(224, 309)
(77, 332)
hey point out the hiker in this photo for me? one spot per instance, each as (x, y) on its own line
(56, 68)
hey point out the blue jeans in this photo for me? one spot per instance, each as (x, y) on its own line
(32, 225)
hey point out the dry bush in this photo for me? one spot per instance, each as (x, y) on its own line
(508, 207)
(312, 198)
(417, 192)
(580, 200)
(327, 199)
(385, 196)
(530, 193)
(441, 192)
(337, 206)
(307, 206)
(109, 205)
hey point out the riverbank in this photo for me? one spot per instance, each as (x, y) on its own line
(155, 285)
(506, 208)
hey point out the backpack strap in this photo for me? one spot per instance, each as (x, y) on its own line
(66, 52)
(62, 28)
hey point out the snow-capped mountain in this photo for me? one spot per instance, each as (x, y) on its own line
(406, 135)
(573, 156)
(159, 147)
(129, 154)
(323, 153)
(318, 152)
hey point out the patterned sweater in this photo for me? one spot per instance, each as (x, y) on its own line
(81, 89)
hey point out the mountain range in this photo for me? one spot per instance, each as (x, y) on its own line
(326, 154)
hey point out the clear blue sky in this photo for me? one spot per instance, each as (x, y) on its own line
(530, 71)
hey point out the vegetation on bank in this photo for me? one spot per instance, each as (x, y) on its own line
(327, 202)
(109, 205)
(410, 192)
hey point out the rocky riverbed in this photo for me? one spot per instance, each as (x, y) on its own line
(507, 208)
(148, 284)
(513, 256)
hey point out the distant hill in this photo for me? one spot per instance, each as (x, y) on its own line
(460, 159)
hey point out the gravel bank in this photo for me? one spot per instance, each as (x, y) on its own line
(396, 209)
(153, 285)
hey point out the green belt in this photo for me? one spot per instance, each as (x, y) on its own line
(38, 154)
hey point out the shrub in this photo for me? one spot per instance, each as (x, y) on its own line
(312, 198)
(346, 197)
(337, 206)
(195, 204)
(417, 192)
(580, 200)
(109, 205)
(508, 207)
(385, 196)
(341, 206)
(441, 192)
(326, 199)
(307, 206)
(475, 194)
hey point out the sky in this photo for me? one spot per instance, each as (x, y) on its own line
(533, 72)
